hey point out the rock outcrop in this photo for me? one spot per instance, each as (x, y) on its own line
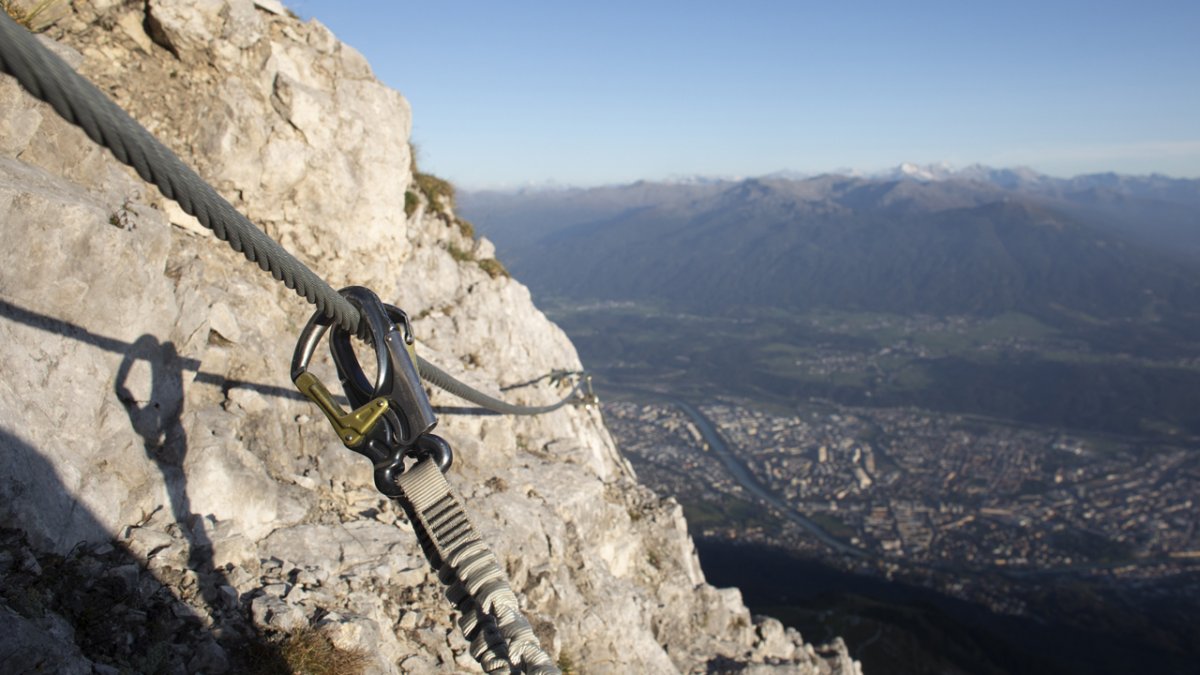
(173, 504)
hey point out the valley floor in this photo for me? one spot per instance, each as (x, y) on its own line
(1000, 516)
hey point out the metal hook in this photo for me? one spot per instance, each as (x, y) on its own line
(353, 427)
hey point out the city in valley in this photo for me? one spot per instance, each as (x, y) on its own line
(965, 505)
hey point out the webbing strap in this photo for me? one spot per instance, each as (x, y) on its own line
(502, 641)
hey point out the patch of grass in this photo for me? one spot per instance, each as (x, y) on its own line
(309, 651)
(36, 17)
(411, 202)
(459, 254)
(565, 663)
(724, 512)
(439, 192)
(494, 268)
(465, 228)
(832, 524)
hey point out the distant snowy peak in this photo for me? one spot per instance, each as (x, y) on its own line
(925, 174)
(788, 174)
(944, 171)
(699, 179)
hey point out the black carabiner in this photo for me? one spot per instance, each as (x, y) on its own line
(392, 417)
(397, 379)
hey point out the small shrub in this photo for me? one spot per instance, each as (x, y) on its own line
(411, 202)
(494, 268)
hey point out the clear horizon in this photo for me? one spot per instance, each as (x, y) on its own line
(545, 94)
(788, 175)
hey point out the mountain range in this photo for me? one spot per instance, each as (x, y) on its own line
(979, 241)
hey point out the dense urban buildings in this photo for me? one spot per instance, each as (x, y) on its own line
(961, 504)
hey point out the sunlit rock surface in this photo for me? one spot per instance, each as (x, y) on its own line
(174, 504)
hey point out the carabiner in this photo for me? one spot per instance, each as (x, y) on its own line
(397, 379)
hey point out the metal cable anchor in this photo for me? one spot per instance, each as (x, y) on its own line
(392, 417)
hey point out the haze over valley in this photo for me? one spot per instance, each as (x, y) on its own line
(1064, 302)
(982, 383)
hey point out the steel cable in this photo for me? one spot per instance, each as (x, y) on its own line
(443, 380)
(78, 101)
(47, 77)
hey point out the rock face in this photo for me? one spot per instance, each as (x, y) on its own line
(174, 504)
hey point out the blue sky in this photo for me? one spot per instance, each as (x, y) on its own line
(518, 93)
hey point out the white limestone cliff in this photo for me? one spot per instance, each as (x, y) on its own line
(158, 473)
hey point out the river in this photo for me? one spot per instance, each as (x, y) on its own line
(738, 469)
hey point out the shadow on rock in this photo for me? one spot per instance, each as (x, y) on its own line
(105, 607)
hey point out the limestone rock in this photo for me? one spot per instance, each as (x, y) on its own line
(154, 452)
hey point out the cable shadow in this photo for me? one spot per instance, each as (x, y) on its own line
(158, 420)
(127, 606)
(67, 329)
